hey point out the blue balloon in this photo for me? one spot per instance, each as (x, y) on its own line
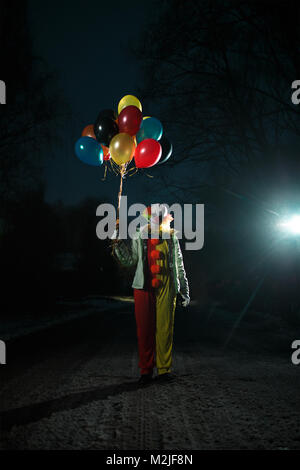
(151, 128)
(89, 151)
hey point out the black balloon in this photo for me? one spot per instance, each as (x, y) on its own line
(109, 113)
(166, 148)
(105, 129)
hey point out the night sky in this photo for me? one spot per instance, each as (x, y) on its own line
(87, 46)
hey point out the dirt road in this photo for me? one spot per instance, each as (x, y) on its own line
(74, 387)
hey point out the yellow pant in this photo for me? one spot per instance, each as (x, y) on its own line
(165, 313)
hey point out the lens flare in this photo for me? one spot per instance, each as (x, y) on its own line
(291, 225)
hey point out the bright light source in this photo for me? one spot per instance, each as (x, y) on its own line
(291, 225)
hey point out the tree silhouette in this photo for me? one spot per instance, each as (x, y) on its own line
(220, 73)
(33, 103)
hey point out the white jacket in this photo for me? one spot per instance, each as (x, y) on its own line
(135, 254)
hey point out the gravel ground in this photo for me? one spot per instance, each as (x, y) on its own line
(66, 310)
(80, 391)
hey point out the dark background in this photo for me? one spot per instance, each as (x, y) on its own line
(218, 74)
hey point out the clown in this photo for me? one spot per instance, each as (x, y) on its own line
(159, 277)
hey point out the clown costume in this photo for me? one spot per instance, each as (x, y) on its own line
(159, 277)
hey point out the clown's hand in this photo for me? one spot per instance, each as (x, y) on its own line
(115, 234)
(185, 301)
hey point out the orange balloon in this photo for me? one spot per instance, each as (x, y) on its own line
(88, 131)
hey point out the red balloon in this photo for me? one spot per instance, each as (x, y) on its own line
(129, 120)
(106, 154)
(147, 153)
(88, 131)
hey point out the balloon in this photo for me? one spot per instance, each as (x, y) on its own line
(129, 100)
(105, 129)
(109, 113)
(129, 120)
(147, 153)
(89, 151)
(166, 149)
(146, 117)
(151, 128)
(88, 131)
(122, 148)
(106, 154)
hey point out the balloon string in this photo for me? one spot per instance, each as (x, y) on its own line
(113, 168)
(105, 171)
(132, 168)
(136, 170)
(122, 173)
(131, 161)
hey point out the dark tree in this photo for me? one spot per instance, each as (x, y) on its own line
(221, 73)
(33, 106)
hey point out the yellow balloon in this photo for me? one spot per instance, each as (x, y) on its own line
(146, 117)
(121, 148)
(129, 100)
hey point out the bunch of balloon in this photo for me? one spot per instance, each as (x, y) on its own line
(124, 141)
